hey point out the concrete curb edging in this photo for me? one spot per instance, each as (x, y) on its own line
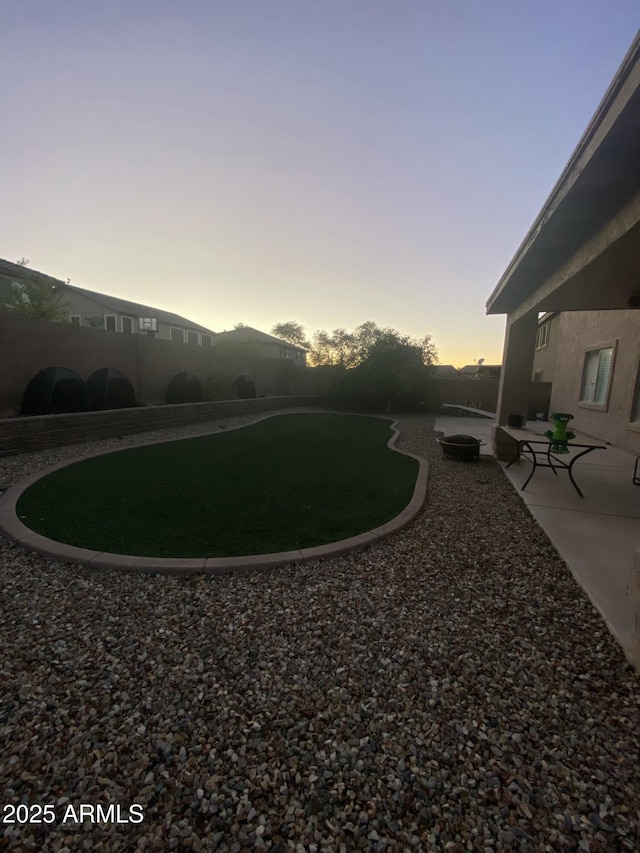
(17, 531)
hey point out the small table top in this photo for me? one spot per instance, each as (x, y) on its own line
(526, 435)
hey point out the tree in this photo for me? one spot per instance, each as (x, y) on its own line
(37, 298)
(339, 348)
(370, 362)
(351, 349)
(292, 332)
(429, 351)
(393, 364)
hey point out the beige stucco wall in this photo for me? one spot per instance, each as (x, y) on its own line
(578, 331)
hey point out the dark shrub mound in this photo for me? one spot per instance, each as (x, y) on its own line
(110, 389)
(245, 388)
(184, 388)
(55, 390)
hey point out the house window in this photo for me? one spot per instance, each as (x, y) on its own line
(542, 336)
(110, 322)
(192, 338)
(127, 325)
(177, 335)
(75, 319)
(596, 375)
(206, 340)
(537, 376)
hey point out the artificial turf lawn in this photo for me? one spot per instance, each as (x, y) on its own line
(286, 482)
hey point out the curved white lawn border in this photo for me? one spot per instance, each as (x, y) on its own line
(12, 527)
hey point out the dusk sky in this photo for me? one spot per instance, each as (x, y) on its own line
(325, 161)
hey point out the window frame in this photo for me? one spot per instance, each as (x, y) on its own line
(77, 317)
(115, 322)
(543, 334)
(591, 404)
(176, 329)
(209, 340)
(130, 319)
(192, 337)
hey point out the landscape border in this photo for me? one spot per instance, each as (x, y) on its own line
(28, 539)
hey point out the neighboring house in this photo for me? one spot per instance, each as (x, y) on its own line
(110, 313)
(89, 308)
(580, 266)
(480, 371)
(265, 345)
(443, 371)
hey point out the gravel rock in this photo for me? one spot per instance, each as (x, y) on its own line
(449, 688)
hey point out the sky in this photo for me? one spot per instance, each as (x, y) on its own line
(323, 161)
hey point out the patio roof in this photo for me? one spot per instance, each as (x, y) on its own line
(594, 205)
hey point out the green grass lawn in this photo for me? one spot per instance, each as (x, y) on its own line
(287, 482)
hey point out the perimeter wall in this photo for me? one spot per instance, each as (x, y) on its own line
(20, 435)
(28, 346)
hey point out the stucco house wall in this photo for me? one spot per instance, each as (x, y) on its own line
(576, 332)
(92, 309)
(89, 312)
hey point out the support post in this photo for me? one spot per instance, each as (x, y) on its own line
(515, 376)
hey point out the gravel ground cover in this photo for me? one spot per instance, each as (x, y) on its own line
(450, 688)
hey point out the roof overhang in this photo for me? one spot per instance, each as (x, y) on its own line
(600, 182)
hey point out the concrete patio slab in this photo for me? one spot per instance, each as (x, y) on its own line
(598, 548)
(477, 427)
(608, 487)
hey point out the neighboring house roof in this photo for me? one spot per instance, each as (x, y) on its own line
(121, 306)
(479, 369)
(247, 334)
(443, 371)
(137, 309)
(17, 271)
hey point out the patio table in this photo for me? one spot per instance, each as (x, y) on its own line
(542, 457)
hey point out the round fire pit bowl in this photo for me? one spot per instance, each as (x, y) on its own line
(461, 446)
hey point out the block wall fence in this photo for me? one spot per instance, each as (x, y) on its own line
(21, 435)
(28, 346)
